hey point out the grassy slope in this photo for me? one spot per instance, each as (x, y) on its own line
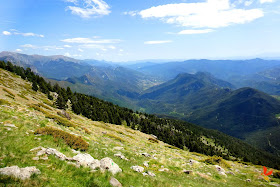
(15, 146)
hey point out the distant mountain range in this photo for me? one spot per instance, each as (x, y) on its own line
(213, 94)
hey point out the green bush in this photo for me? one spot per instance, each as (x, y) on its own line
(153, 140)
(73, 141)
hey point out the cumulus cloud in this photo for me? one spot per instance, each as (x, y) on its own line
(6, 33)
(18, 50)
(67, 46)
(191, 31)
(209, 14)
(28, 46)
(157, 42)
(90, 41)
(89, 8)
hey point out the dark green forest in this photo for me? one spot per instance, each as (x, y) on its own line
(178, 133)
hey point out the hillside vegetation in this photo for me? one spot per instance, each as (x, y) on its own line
(29, 119)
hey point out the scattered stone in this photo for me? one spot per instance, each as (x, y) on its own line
(22, 173)
(8, 129)
(192, 162)
(35, 158)
(219, 168)
(137, 168)
(187, 171)
(153, 136)
(108, 164)
(10, 125)
(114, 182)
(163, 169)
(145, 174)
(146, 154)
(248, 180)
(36, 149)
(146, 164)
(118, 148)
(151, 174)
(121, 156)
(230, 172)
(104, 132)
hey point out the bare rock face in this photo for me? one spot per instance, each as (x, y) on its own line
(115, 183)
(137, 168)
(22, 173)
(108, 164)
(86, 160)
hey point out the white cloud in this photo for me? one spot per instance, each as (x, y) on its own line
(90, 41)
(209, 14)
(15, 32)
(248, 3)
(88, 8)
(131, 13)
(157, 42)
(6, 33)
(67, 54)
(67, 46)
(191, 31)
(80, 50)
(28, 46)
(18, 50)
(266, 1)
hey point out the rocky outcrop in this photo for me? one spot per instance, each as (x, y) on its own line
(22, 173)
(81, 159)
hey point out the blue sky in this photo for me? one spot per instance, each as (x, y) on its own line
(126, 30)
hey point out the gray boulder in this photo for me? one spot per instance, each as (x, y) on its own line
(114, 182)
(22, 173)
(137, 168)
(108, 164)
(86, 160)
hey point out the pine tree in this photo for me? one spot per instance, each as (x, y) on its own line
(34, 86)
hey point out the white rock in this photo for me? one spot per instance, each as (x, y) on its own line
(35, 158)
(22, 173)
(145, 174)
(118, 148)
(137, 168)
(51, 151)
(146, 164)
(219, 168)
(151, 174)
(10, 125)
(146, 154)
(108, 164)
(114, 182)
(191, 162)
(121, 156)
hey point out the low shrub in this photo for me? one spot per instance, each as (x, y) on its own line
(153, 140)
(73, 141)
(22, 96)
(115, 137)
(4, 102)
